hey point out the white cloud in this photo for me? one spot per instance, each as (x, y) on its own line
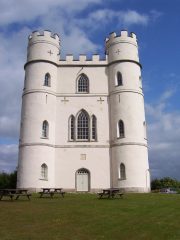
(28, 10)
(132, 17)
(102, 17)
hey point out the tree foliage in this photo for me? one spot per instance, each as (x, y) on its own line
(8, 180)
(165, 182)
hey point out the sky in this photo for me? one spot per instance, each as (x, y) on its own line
(83, 25)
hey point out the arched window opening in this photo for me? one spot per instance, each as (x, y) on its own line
(72, 128)
(44, 171)
(45, 129)
(122, 171)
(83, 84)
(119, 79)
(83, 126)
(121, 129)
(47, 80)
(94, 128)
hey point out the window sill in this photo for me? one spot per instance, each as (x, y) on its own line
(44, 138)
(121, 179)
(82, 141)
(43, 179)
(120, 137)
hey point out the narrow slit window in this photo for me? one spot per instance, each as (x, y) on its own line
(44, 171)
(94, 128)
(119, 79)
(122, 171)
(121, 129)
(72, 128)
(47, 80)
(45, 129)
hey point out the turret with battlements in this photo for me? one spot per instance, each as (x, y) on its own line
(43, 46)
(129, 155)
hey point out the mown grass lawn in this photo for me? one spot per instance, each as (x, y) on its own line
(84, 216)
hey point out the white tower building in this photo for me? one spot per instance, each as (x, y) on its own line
(83, 122)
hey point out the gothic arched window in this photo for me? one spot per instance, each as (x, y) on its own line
(72, 127)
(45, 129)
(47, 80)
(83, 126)
(121, 129)
(119, 79)
(122, 171)
(94, 128)
(83, 84)
(44, 171)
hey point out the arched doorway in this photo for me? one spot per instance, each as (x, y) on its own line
(82, 180)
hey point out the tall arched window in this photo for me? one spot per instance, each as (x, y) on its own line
(121, 129)
(45, 129)
(119, 79)
(122, 171)
(94, 128)
(47, 80)
(44, 171)
(72, 127)
(83, 126)
(83, 84)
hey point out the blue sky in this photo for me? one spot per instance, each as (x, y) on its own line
(83, 26)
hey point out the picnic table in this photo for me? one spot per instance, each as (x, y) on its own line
(110, 193)
(14, 193)
(51, 192)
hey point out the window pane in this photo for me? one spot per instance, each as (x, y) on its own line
(83, 126)
(83, 84)
(122, 171)
(121, 129)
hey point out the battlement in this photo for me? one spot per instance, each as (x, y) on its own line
(45, 35)
(123, 37)
(83, 60)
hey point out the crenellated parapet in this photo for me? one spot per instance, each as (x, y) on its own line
(122, 47)
(123, 37)
(43, 46)
(45, 35)
(83, 60)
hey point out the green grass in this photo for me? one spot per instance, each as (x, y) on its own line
(84, 216)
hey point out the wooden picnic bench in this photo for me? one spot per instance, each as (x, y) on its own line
(14, 193)
(51, 191)
(110, 193)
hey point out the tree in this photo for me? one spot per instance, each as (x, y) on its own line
(165, 182)
(8, 180)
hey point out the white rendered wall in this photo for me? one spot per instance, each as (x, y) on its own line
(69, 160)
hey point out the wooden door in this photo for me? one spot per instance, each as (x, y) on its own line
(82, 180)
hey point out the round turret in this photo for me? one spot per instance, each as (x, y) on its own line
(122, 47)
(43, 46)
(129, 156)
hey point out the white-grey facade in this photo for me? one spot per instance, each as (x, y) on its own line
(83, 122)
